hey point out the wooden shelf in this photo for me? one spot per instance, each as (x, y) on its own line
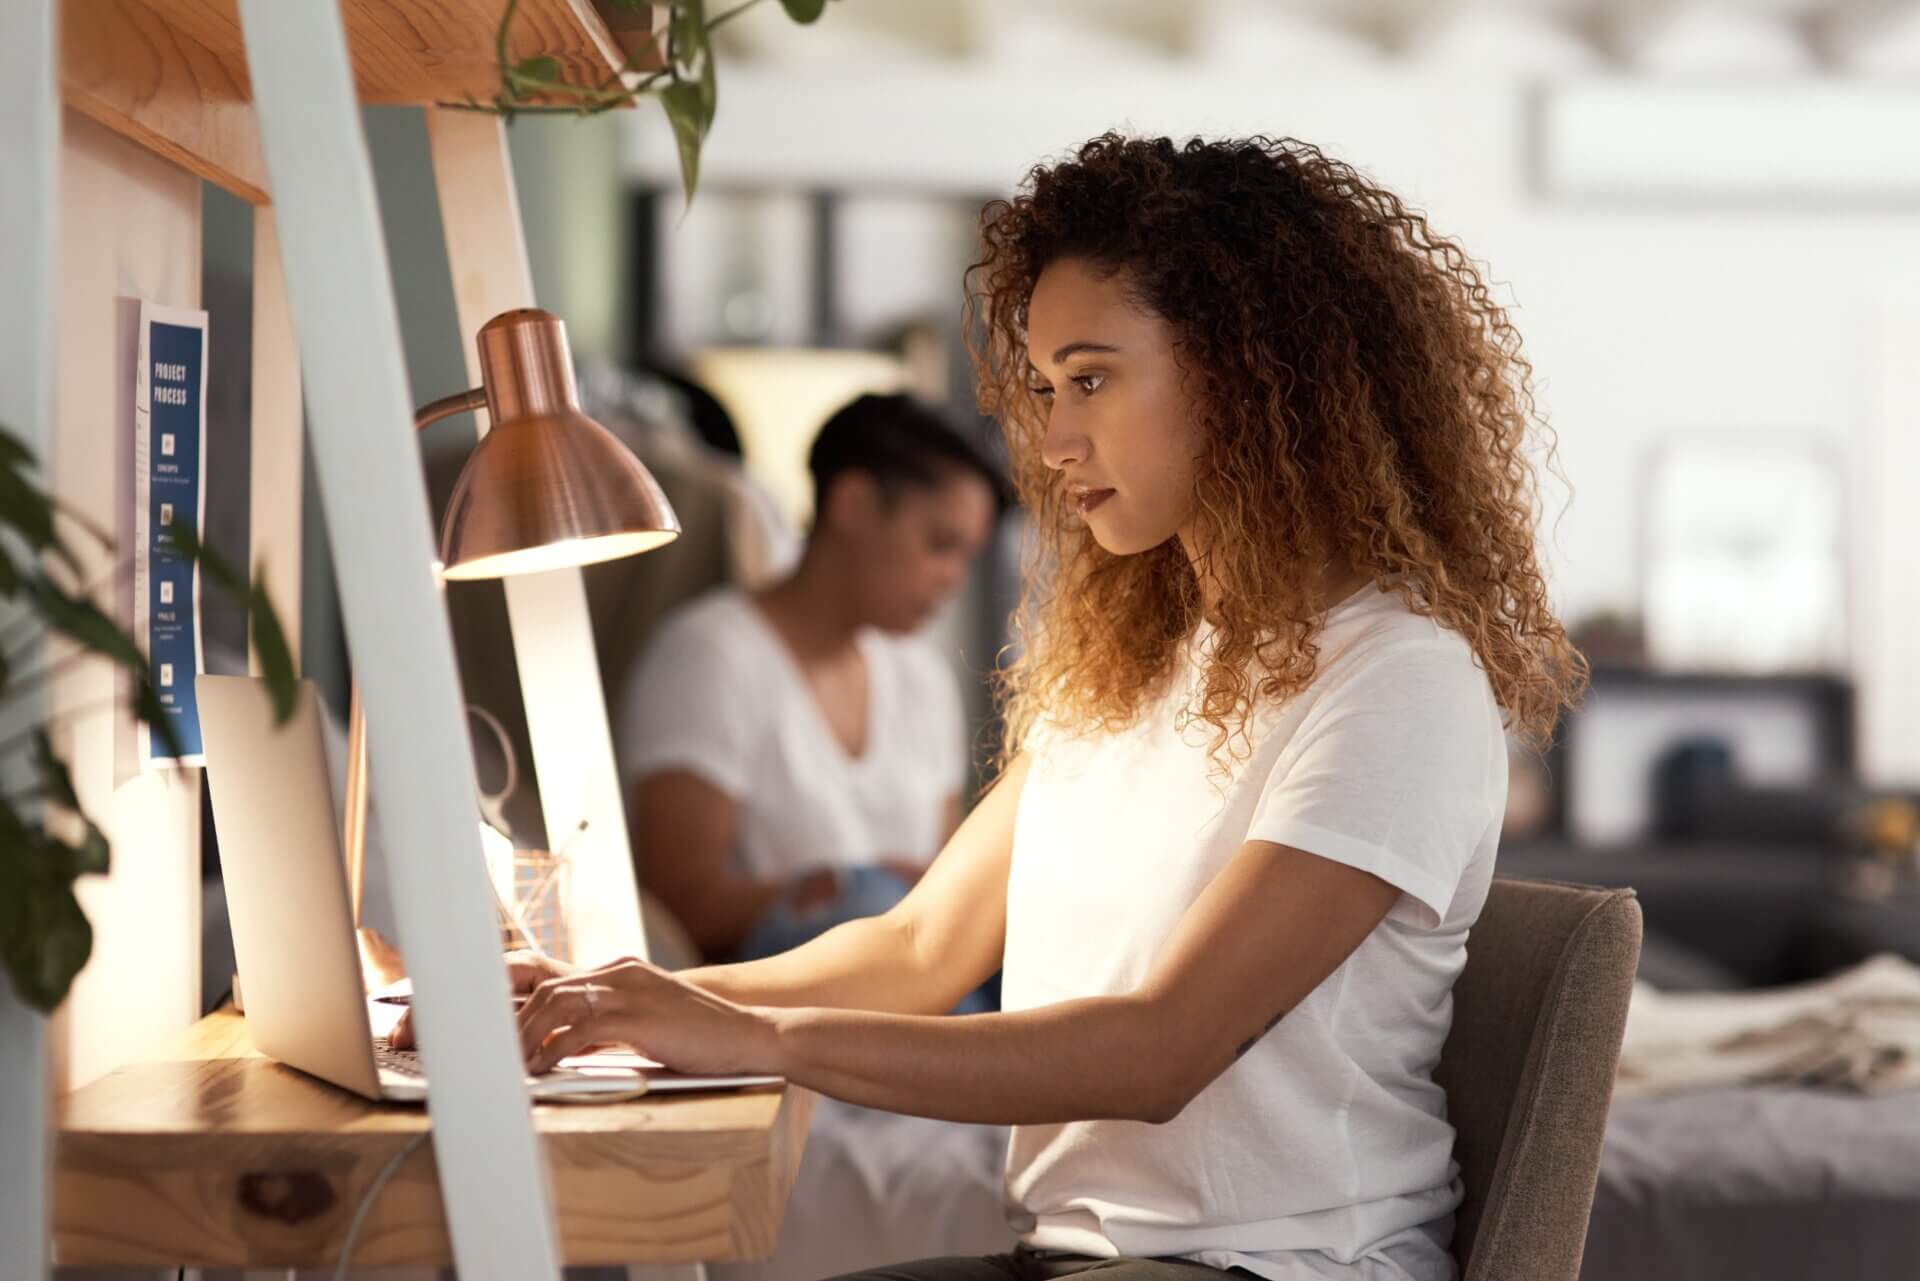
(207, 1154)
(172, 74)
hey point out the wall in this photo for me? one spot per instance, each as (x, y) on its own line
(1642, 319)
(129, 229)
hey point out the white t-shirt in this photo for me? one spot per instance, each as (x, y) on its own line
(1323, 1152)
(721, 695)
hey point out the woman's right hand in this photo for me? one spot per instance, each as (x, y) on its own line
(526, 969)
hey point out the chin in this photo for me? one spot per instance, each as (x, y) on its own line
(1123, 542)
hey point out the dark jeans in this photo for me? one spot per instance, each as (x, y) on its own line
(1028, 1264)
(865, 891)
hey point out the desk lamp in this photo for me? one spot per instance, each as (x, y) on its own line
(546, 488)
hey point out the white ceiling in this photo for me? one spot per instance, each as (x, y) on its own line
(1832, 36)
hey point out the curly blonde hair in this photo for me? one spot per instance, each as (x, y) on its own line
(1361, 394)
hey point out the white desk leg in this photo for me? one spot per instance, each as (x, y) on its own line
(492, 1175)
(667, 1272)
(29, 143)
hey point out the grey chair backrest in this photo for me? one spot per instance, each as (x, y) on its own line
(1528, 1068)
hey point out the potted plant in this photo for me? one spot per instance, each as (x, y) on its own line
(47, 842)
(685, 81)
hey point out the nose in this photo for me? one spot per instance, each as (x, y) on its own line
(1064, 443)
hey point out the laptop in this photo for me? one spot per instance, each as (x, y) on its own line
(293, 935)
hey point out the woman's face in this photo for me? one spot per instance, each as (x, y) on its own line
(907, 553)
(1121, 429)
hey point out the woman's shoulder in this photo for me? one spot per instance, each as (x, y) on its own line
(1382, 641)
(716, 628)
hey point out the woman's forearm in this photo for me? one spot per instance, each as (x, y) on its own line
(1094, 1059)
(722, 915)
(868, 964)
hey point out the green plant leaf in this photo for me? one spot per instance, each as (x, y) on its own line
(82, 620)
(218, 568)
(538, 71)
(682, 105)
(44, 936)
(91, 855)
(10, 581)
(269, 639)
(148, 707)
(53, 772)
(46, 940)
(26, 509)
(691, 58)
(804, 11)
(276, 659)
(13, 450)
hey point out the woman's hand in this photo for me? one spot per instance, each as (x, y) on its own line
(633, 1003)
(526, 969)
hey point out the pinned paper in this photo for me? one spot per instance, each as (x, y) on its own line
(169, 460)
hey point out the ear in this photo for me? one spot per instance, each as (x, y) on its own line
(854, 503)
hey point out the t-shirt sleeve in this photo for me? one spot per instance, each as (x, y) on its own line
(1392, 772)
(691, 706)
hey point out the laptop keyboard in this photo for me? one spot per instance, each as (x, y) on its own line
(405, 1062)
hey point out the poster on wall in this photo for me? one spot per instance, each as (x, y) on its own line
(169, 462)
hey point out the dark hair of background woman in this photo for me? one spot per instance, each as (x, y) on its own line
(900, 441)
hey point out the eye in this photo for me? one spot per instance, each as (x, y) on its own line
(1041, 391)
(1088, 383)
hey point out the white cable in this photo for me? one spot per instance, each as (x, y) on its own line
(393, 1165)
(366, 1203)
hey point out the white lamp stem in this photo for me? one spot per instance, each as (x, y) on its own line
(356, 818)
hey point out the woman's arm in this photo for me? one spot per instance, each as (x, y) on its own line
(939, 943)
(683, 846)
(1268, 930)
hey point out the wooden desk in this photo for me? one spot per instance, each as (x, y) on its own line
(207, 1154)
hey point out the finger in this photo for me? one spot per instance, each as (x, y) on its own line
(559, 1006)
(536, 1011)
(401, 1038)
(527, 969)
(567, 1041)
(613, 972)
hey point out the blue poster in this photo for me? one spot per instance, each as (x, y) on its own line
(169, 457)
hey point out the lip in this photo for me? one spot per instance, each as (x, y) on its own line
(1085, 500)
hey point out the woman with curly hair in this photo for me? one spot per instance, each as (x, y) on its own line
(1273, 434)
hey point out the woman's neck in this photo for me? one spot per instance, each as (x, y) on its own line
(1336, 580)
(810, 607)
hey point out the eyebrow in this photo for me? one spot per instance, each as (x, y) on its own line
(1075, 348)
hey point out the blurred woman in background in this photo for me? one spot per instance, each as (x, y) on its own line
(797, 753)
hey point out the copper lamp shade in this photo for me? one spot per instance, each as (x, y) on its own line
(547, 486)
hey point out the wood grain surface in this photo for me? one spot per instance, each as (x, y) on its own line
(172, 74)
(207, 1154)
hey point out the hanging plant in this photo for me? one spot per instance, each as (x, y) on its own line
(685, 85)
(47, 842)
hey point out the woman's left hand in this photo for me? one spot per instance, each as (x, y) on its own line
(633, 1003)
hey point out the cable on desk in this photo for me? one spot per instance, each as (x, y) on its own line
(394, 1163)
(366, 1202)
